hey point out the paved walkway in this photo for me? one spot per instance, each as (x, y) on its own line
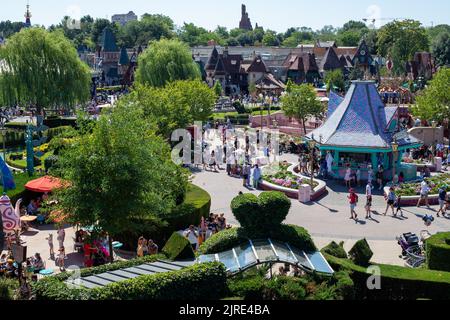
(328, 218)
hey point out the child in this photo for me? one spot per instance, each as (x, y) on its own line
(398, 205)
(61, 257)
(50, 244)
(369, 207)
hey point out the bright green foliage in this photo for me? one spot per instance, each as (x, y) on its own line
(260, 214)
(218, 89)
(151, 27)
(438, 251)
(336, 250)
(270, 39)
(361, 253)
(178, 248)
(434, 102)
(302, 103)
(165, 61)
(441, 49)
(401, 40)
(175, 106)
(335, 79)
(42, 68)
(120, 173)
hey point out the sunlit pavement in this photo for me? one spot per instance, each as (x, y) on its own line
(329, 218)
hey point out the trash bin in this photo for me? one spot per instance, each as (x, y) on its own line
(304, 193)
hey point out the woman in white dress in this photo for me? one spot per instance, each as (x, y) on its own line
(347, 178)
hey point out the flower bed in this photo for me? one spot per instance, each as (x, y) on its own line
(410, 192)
(286, 180)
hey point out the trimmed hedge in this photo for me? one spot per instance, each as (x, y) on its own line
(178, 247)
(201, 281)
(296, 236)
(258, 215)
(361, 253)
(438, 252)
(397, 283)
(336, 250)
(60, 122)
(197, 204)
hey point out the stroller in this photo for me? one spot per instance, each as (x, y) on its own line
(406, 241)
(413, 250)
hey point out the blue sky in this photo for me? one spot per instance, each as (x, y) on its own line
(277, 15)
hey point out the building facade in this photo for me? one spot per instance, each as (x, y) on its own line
(123, 19)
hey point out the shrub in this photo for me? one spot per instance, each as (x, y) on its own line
(285, 288)
(239, 107)
(258, 215)
(247, 288)
(344, 285)
(297, 237)
(50, 162)
(336, 250)
(438, 252)
(397, 283)
(8, 287)
(178, 247)
(361, 253)
(202, 281)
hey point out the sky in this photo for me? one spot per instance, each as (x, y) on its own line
(277, 15)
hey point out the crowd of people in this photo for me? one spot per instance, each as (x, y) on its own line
(146, 247)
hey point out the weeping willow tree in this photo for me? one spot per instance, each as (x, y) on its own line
(42, 69)
(166, 61)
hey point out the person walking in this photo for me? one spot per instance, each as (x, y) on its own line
(370, 174)
(398, 206)
(213, 161)
(348, 177)
(390, 201)
(330, 160)
(369, 188)
(353, 200)
(256, 176)
(424, 191)
(61, 258)
(61, 235)
(442, 198)
(246, 174)
(50, 244)
(380, 176)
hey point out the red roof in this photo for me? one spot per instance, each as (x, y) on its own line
(44, 184)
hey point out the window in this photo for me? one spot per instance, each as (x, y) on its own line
(355, 159)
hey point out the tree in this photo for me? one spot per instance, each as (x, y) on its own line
(99, 25)
(166, 61)
(8, 28)
(354, 25)
(175, 106)
(302, 103)
(218, 88)
(434, 102)
(401, 40)
(335, 79)
(270, 39)
(441, 49)
(120, 174)
(43, 69)
(350, 38)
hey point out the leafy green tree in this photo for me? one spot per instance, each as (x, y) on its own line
(334, 79)
(435, 31)
(166, 61)
(441, 49)
(43, 69)
(354, 25)
(349, 38)
(218, 88)
(301, 103)
(434, 102)
(401, 40)
(8, 28)
(120, 173)
(270, 39)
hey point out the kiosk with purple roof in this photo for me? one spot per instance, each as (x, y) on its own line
(361, 131)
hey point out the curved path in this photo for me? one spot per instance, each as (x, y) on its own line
(328, 218)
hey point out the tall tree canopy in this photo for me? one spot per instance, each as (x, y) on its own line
(42, 68)
(166, 61)
(335, 80)
(301, 102)
(434, 102)
(441, 49)
(120, 174)
(401, 40)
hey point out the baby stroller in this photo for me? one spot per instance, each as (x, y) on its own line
(406, 241)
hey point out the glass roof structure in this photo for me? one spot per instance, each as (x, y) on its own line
(257, 252)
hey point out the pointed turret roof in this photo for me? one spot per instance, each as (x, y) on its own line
(362, 55)
(109, 41)
(212, 61)
(258, 65)
(124, 60)
(330, 61)
(28, 17)
(220, 68)
(359, 121)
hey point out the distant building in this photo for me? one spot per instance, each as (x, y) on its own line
(27, 17)
(245, 22)
(123, 19)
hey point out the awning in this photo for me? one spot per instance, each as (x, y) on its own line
(44, 184)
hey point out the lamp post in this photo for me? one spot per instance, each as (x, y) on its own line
(312, 145)
(394, 157)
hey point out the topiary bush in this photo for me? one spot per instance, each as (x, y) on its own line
(259, 215)
(178, 247)
(248, 288)
(336, 250)
(361, 253)
(438, 252)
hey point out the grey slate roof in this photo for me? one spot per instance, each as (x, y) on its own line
(359, 121)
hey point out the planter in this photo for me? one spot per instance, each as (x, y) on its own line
(421, 166)
(317, 192)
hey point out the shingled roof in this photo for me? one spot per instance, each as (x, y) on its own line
(109, 41)
(361, 120)
(220, 68)
(303, 62)
(124, 60)
(258, 65)
(330, 61)
(212, 61)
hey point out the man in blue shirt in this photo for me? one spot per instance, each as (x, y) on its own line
(442, 200)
